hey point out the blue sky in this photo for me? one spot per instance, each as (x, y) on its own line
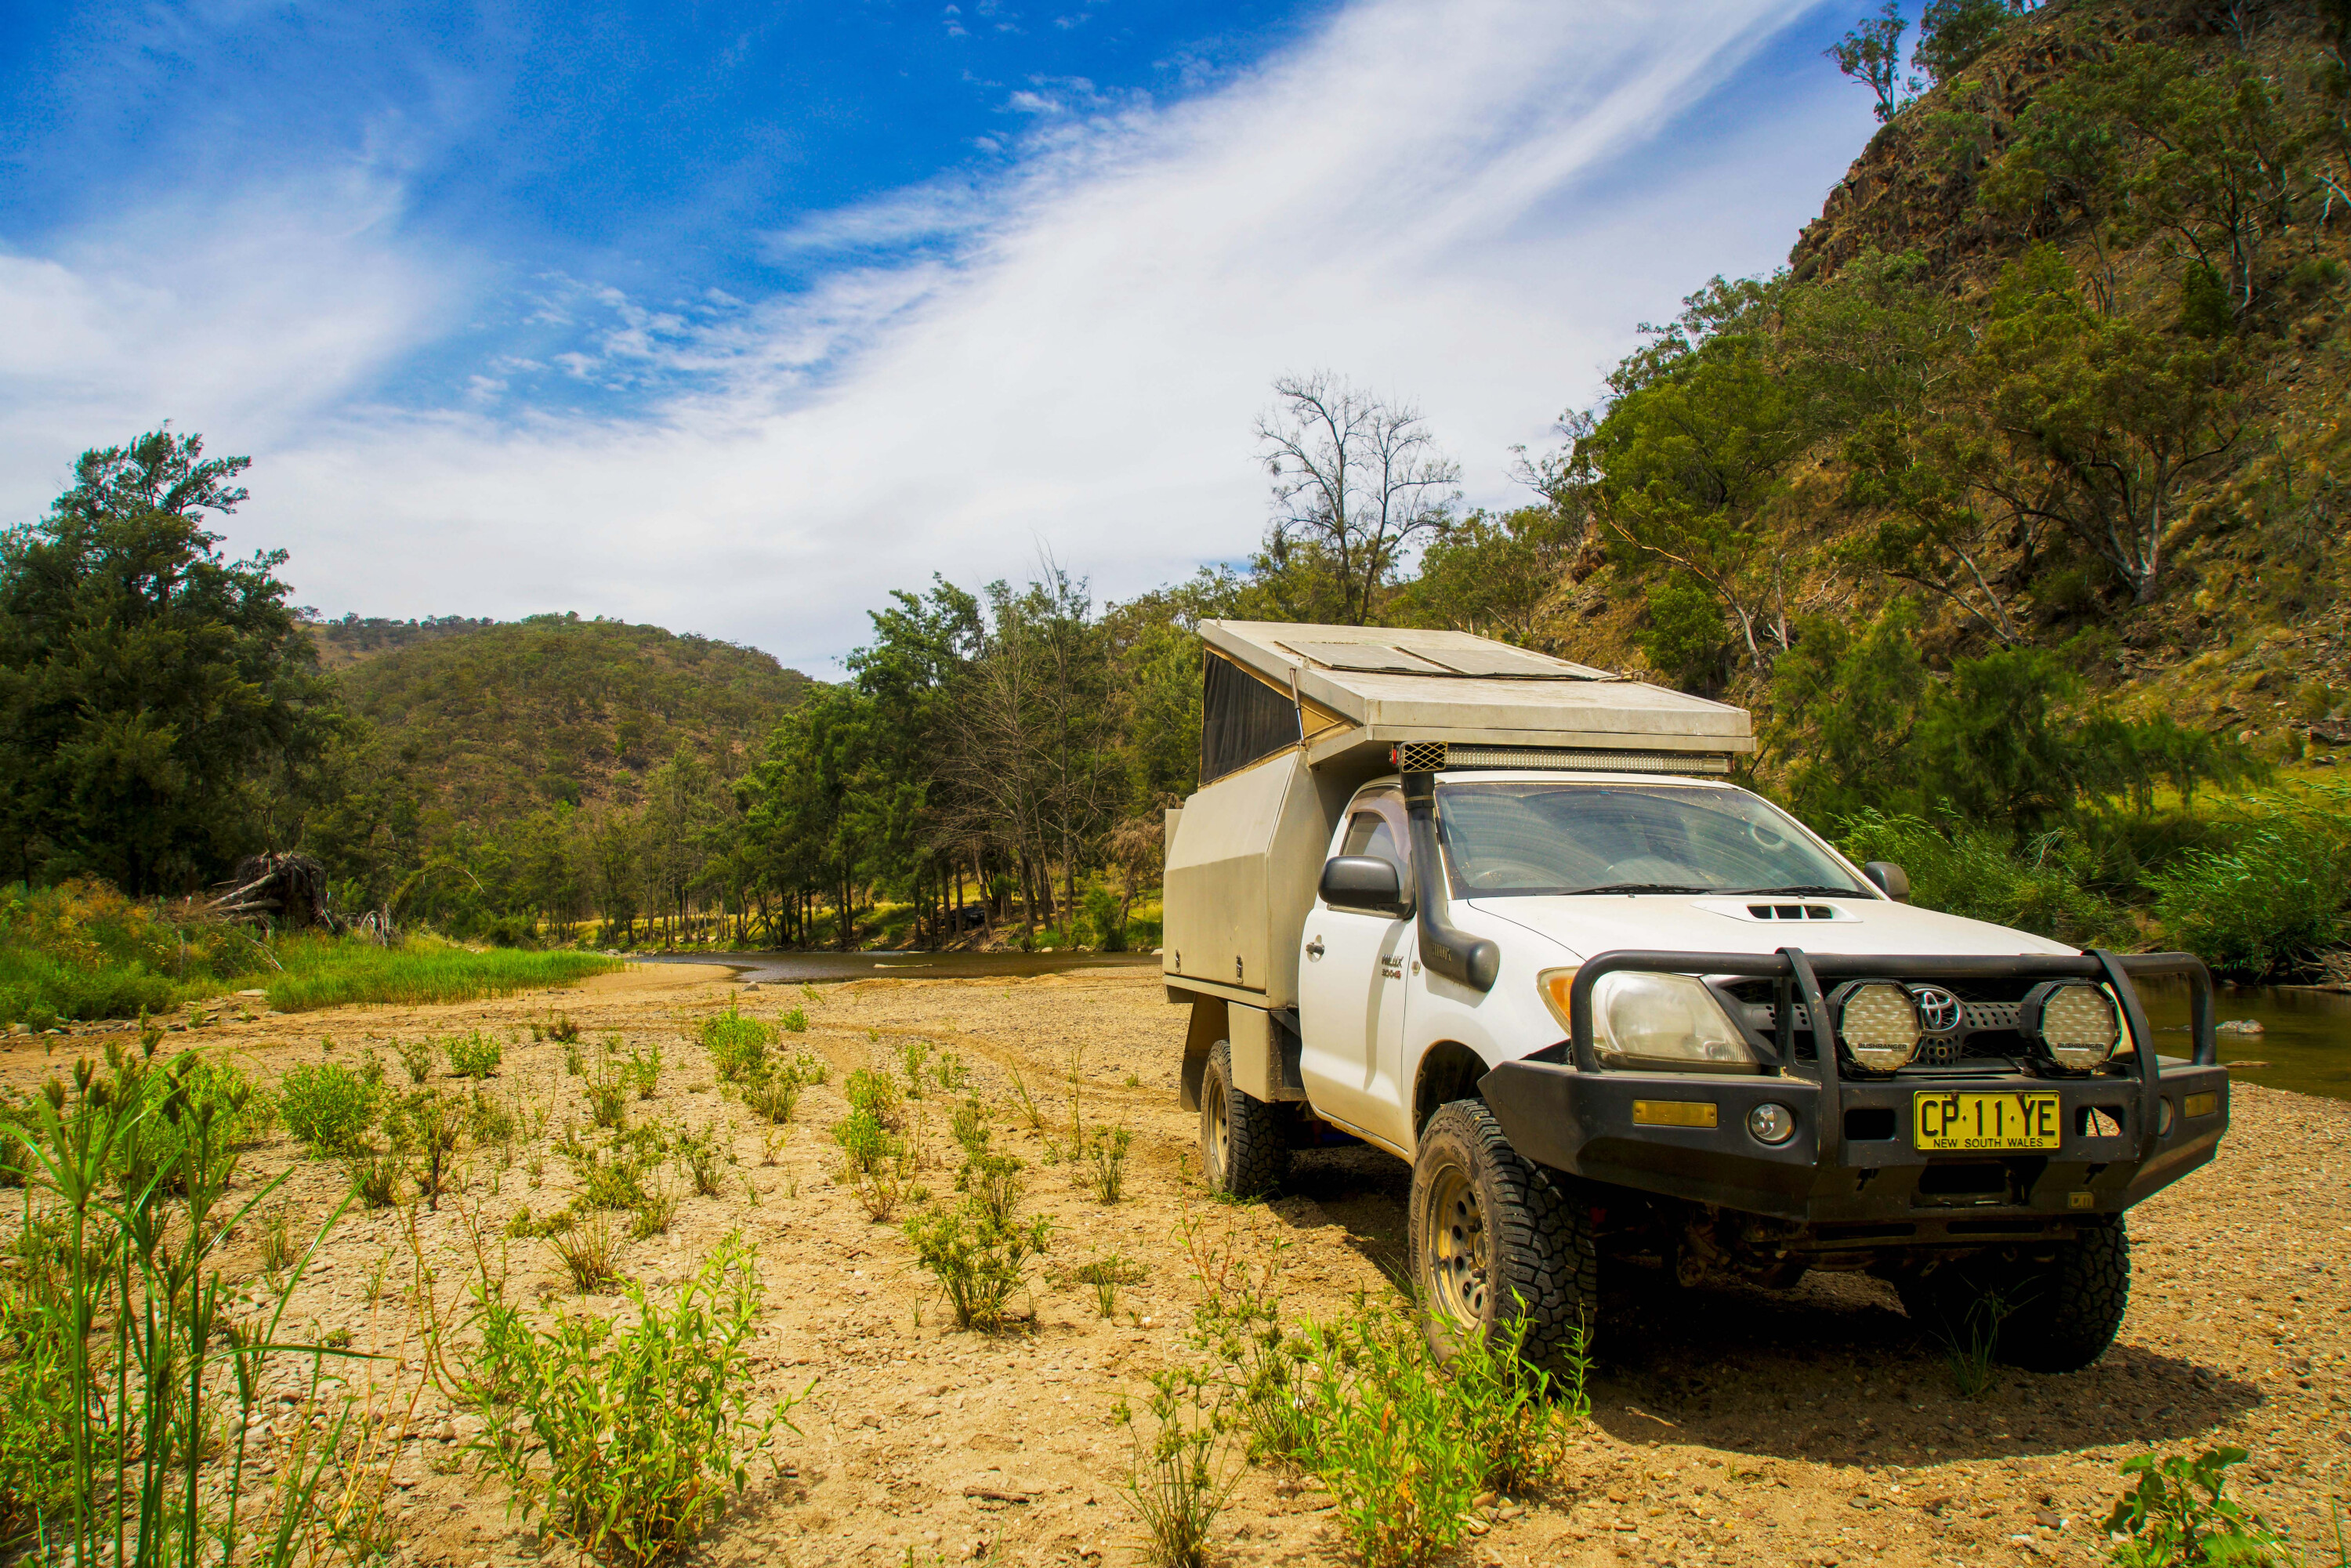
(731, 317)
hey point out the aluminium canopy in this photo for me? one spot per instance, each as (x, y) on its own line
(1356, 691)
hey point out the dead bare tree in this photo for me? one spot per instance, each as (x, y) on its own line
(1355, 480)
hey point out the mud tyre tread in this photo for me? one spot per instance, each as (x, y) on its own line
(1256, 1132)
(1543, 1255)
(2072, 1305)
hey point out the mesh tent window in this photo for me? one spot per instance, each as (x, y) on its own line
(1242, 719)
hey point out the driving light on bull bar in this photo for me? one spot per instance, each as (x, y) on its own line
(1771, 1123)
(1665, 1023)
(2076, 1023)
(1878, 1023)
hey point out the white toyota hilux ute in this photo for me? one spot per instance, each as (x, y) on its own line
(1609, 1005)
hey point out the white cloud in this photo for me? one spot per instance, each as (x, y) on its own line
(1456, 203)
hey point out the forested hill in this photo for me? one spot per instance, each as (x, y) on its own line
(489, 721)
(2060, 367)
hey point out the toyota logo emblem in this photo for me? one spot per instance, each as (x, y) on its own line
(1939, 1010)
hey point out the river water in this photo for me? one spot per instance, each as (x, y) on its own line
(824, 968)
(2304, 1044)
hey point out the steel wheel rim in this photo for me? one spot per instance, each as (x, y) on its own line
(1457, 1250)
(1219, 1133)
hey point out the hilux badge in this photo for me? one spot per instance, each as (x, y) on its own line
(1939, 1010)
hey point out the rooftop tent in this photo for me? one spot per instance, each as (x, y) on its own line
(1242, 719)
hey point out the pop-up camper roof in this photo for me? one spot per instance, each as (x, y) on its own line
(1342, 691)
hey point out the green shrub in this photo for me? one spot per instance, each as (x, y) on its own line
(794, 1022)
(654, 1215)
(1386, 1440)
(1510, 1410)
(325, 1106)
(875, 1162)
(2272, 906)
(1103, 922)
(914, 1060)
(2180, 1515)
(417, 1056)
(978, 1261)
(476, 1055)
(608, 1090)
(631, 1437)
(738, 1044)
(2043, 885)
(611, 1177)
(876, 1094)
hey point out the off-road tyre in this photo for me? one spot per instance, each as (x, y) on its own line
(2061, 1304)
(2069, 1306)
(1244, 1141)
(1493, 1236)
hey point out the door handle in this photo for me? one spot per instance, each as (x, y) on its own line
(1314, 948)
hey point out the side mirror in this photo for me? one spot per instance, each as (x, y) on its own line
(1891, 880)
(1366, 882)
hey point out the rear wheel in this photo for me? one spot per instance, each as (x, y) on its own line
(1244, 1141)
(1496, 1238)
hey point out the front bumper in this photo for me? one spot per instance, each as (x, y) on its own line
(1851, 1165)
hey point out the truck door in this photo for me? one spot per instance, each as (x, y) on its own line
(1351, 985)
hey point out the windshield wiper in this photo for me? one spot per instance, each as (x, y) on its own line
(1638, 887)
(1794, 892)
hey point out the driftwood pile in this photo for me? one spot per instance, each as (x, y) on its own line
(290, 887)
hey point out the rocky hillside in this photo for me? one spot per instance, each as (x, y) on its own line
(2065, 360)
(492, 720)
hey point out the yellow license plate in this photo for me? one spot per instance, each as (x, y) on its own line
(1963, 1122)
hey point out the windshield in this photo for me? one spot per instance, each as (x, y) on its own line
(1506, 840)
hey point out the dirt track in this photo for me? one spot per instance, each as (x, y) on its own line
(1811, 1426)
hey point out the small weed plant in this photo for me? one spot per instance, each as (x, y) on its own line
(1512, 1412)
(563, 1031)
(377, 1179)
(277, 1250)
(2180, 1515)
(979, 1264)
(654, 1216)
(326, 1106)
(476, 1055)
(915, 1061)
(738, 1044)
(1183, 1467)
(1106, 1276)
(876, 1094)
(608, 1092)
(702, 1155)
(645, 1070)
(629, 1438)
(1970, 1346)
(875, 1162)
(588, 1252)
(417, 1056)
(426, 1126)
(1385, 1441)
(793, 1021)
(774, 1098)
(1105, 1166)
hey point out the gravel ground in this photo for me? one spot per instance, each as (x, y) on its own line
(1808, 1426)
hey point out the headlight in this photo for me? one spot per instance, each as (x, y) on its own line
(1668, 1021)
(2075, 1022)
(1879, 1024)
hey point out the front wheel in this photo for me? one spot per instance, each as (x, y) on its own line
(2052, 1310)
(1244, 1141)
(1495, 1238)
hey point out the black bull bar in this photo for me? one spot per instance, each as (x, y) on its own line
(1579, 1117)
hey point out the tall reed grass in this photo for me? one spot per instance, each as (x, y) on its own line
(127, 1388)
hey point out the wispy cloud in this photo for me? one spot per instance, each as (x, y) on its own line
(1464, 202)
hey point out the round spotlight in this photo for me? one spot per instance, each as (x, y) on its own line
(2076, 1023)
(1771, 1123)
(1879, 1024)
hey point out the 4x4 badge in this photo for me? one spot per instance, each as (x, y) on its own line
(1939, 1010)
